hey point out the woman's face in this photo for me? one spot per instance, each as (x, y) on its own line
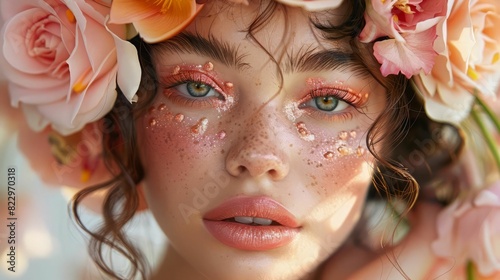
(250, 175)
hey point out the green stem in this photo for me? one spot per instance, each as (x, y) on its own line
(490, 141)
(470, 271)
(488, 112)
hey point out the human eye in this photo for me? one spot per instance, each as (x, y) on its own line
(331, 103)
(194, 89)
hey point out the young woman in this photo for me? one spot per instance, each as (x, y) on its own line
(259, 134)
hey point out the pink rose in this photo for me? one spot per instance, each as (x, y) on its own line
(411, 28)
(313, 5)
(470, 230)
(468, 45)
(62, 61)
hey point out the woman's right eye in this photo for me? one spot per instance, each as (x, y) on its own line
(192, 89)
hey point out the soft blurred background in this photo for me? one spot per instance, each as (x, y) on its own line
(48, 243)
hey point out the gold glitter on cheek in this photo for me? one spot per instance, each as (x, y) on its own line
(343, 135)
(353, 133)
(221, 135)
(162, 107)
(152, 122)
(229, 85)
(292, 111)
(304, 132)
(328, 155)
(200, 127)
(344, 150)
(360, 151)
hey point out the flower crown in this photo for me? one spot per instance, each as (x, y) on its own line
(64, 59)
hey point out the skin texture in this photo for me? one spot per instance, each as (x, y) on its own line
(255, 139)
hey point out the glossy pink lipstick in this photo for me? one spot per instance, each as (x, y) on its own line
(252, 223)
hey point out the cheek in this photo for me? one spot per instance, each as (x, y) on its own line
(175, 149)
(335, 160)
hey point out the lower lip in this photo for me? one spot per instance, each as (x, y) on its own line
(254, 238)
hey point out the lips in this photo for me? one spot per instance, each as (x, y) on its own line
(252, 223)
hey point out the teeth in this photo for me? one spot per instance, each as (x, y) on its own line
(250, 220)
(244, 220)
(262, 221)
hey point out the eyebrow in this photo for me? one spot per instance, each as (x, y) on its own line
(211, 47)
(309, 59)
(306, 59)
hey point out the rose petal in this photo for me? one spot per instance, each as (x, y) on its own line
(127, 11)
(14, 46)
(408, 57)
(159, 27)
(438, 111)
(129, 68)
(36, 96)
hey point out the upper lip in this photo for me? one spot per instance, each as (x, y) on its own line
(260, 207)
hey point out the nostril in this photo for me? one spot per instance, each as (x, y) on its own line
(241, 169)
(273, 173)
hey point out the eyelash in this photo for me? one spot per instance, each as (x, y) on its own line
(343, 95)
(169, 83)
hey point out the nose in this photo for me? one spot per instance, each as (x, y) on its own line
(258, 150)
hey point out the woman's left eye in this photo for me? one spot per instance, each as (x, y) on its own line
(196, 89)
(327, 103)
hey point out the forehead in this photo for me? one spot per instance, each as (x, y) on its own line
(267, 25)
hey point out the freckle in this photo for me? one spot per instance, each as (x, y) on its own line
(343, 135)
(221, 135)
(343, 150)
(151, 109)
(200, 127)
(162, 107)
(177, 69)
(179, 118)
(209, 66)
(152, 122)
(222, 151)
(328, 155)
(353, 134)
(360, 151)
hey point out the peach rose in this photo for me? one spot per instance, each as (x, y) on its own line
(63, 62)
(314, 5)
(155, 21)
(470, 230)
(468, 45)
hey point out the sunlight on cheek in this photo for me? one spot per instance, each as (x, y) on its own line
(340, 216)
(339, 205)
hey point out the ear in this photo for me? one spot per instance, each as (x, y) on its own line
(73, 162)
